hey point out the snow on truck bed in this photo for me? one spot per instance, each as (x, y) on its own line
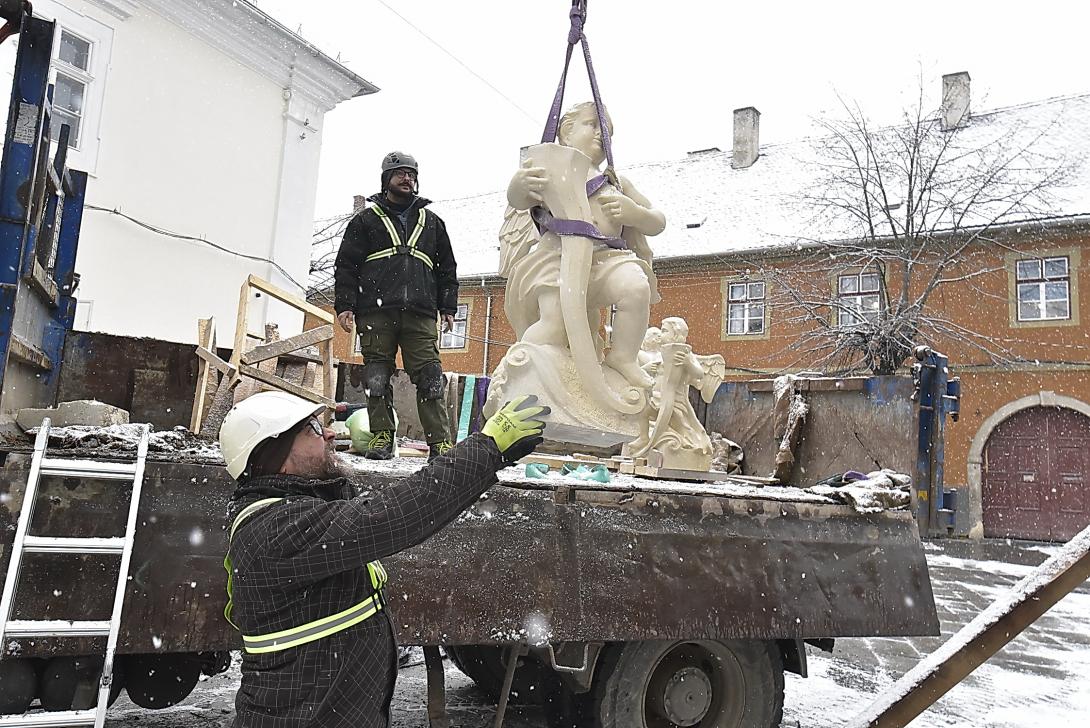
(880, 490)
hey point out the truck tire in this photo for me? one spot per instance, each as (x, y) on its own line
(160, 681)
(71, 683)
(483, 664)
(18, 686)
(701, 683)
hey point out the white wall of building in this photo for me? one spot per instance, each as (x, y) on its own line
(183, 136)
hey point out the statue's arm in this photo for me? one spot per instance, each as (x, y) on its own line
(524, 190)
(649, 221)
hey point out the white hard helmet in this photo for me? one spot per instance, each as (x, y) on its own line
(256, 419)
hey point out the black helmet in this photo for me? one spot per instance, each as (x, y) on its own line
(399, 160)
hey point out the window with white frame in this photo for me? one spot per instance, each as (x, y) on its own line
(72, 83)
(82, 47)
(859, 298)
(1044, 288)
(745, 308)
(456, 337)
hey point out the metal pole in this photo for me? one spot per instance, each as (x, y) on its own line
(513, 654)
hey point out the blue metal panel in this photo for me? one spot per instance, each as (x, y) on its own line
(21, 145)
(64, 273)
(939, 395)
(41, 207)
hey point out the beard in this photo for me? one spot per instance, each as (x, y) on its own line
(335, 466)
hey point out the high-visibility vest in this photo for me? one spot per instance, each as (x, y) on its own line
(397, 247)
(311, 631)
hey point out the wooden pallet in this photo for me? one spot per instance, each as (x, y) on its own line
(302, 365)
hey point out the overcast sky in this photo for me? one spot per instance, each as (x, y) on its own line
(670, 72)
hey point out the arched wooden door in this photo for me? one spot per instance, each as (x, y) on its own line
(1037, 475)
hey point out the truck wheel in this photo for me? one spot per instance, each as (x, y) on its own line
(18, 686)
(160, 681)
(483, 664)
(701, 683)
(71, 683)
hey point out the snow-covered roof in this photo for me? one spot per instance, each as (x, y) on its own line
(714, 209)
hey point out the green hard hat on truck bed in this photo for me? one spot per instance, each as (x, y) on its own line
(399, 160)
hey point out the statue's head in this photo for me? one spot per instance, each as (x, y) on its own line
(652, 340)
(674, 330)
(579, 129)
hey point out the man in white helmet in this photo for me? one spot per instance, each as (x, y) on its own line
(305, 583)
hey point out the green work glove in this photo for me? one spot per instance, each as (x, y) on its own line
(514, 428)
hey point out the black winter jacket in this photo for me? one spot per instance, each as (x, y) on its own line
(399, 282)
(305, 558)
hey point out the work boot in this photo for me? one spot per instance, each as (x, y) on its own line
(439, 448)
(381, 446)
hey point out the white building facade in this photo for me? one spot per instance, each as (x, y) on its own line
(200, 125)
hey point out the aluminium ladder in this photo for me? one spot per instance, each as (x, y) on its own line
(120, 546)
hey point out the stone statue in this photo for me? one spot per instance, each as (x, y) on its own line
(574, 243)
(671, 427)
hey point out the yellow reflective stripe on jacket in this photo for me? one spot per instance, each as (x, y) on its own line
(242, 516)
(378, 575)
(315, 630)
(310, 631)
(395, 239)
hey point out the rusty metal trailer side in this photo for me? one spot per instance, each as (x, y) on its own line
(581, 564)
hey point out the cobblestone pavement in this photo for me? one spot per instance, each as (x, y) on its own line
(1042, 678)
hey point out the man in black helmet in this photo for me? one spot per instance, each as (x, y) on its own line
(395, 272)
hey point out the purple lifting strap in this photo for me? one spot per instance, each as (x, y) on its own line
(547, 223)
(578, 16)
(544, 220)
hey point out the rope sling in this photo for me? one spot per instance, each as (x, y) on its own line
(544, 220)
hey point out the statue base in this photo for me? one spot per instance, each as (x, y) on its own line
(549, 372)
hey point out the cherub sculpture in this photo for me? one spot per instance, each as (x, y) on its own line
(671, 427)
(574, 243)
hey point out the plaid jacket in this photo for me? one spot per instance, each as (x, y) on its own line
(305, 558)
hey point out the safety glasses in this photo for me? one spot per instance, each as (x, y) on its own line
(316, 427)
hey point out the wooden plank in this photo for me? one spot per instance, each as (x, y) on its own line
(310, 376)
(327, 380)
(294, 372)
(210, 359)
(284, 346)
(219, 408)
(240, 327)
(648, 471)
(309, 355)
(280, 383)
(292, 300)
(206, 337)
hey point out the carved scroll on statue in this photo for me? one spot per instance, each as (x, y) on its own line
(565, 197)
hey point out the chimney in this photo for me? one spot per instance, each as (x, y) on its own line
(747, 124)
(358, 202)
(955, 100)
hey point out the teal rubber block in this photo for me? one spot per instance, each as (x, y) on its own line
(536, 470)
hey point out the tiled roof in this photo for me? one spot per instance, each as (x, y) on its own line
(712, 208)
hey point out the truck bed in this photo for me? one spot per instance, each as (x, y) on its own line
(556, 559)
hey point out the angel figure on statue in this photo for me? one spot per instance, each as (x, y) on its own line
(671, 426)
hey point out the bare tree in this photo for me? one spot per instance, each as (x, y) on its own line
(896, 214)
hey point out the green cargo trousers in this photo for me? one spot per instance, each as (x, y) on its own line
(381, 334)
